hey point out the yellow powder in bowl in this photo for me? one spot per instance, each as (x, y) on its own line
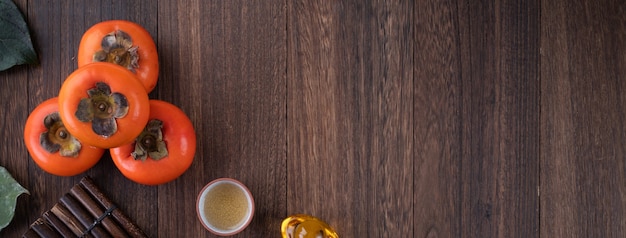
(226, 206)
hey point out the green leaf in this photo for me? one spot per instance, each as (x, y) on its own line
(9, 191)
(15, 44)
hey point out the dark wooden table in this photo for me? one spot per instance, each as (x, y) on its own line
(434, 118)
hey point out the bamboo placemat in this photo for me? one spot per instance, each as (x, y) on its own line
(84, 212)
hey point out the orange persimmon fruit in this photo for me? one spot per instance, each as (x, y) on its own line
(163, 151)
(52, 147)
(103, 105)
(124, 43)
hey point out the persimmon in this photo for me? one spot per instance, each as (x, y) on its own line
(103, 105)
(163, 151)
(123, 43)
(52, 147)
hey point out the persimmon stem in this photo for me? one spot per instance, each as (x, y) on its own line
(150, 142)
(57, 139)
(117, 48)
(102, 108)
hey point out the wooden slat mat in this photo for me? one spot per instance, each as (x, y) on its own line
(84, 212)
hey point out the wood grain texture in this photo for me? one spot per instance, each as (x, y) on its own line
(500, 118)
(437, 120)
(350, 152)
(477, 116)
(430, 118)
(226, 68)
(180, 84)
(583, 189)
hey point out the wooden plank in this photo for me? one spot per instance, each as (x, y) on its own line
(13, 155)
(500, 118)
(225, 66)
(437, 120)
(350, 151)
(583, 193)
(181, 83)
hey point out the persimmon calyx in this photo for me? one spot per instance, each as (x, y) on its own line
(101, 108)
(117, 48)
(150, 142)
(57, 138)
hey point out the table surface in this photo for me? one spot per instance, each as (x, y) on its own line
(434, 118)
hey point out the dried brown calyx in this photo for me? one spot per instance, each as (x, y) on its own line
(117, 48)
(57, 138)
(101, 108)
(150, 142)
